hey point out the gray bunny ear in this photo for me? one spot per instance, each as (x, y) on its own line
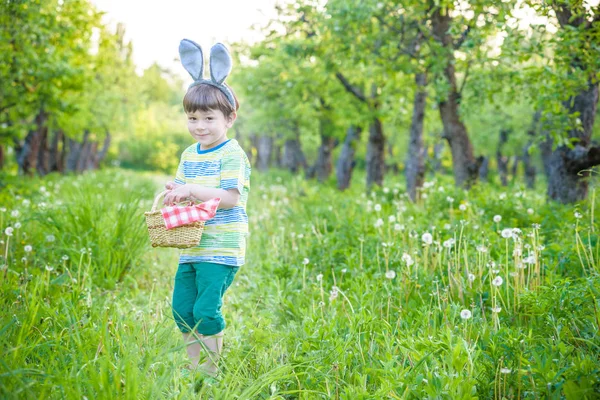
(220, 63)
(192, 58)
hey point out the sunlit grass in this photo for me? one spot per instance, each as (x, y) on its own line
(480, 294)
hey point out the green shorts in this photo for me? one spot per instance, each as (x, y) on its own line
(198, 296)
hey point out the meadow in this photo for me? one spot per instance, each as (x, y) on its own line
(486, 294)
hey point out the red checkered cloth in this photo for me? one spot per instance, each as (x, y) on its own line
(182, 215)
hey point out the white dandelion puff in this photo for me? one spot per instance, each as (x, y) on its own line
(465, 314)
(497, 218)
(497, 281)
(9, 231)
(427, 238)
(391, 274)
(319, 277)
(27, 248)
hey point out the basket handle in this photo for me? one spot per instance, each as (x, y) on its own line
(157, 198)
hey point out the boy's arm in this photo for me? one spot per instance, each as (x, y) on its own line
(229, 198)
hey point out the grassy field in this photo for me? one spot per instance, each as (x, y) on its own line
(489, 294)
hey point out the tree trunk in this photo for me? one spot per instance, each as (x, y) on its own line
(528, 165)
(567, 183)
(464, 164)
(415, 164)
(29, 152)
(43, 165)
(1, 156)
(84, 153)
(437, 156)
(73, 154)
(345, 163)
(264, 150)
(375, 154)
(102, 154)
(501, 159)
(514, 170)
(484, 169)
(323, 165)
(293, 156)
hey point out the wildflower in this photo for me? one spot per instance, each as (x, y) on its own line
(391, 219)
(24, 259)
(449, 199)
(530, 211)
(65, 257)
(305, 261)
(497, 281)
(465, 314)
(447, 227)
(17, 225)
(507, 233)
(26, 202)
(471, 277)
(49, 268)
(529, 259)
(407, 259)
(379, 223)
(3, 209)
(482, 249)
(386, 190)
(462, 207)
(496, 309)
(377, 207)
(396, 191)
(391, 274)
(344, 270)
(28, 248)
(497, 218)
(384, 244)
(536, 226)
(9, 231)
(50, 238)
(502, 196)
(398, 227)
(333, 294)
(449, 243)
(578, 215)
(14, 213)
(319, 277)
(427, 238)
(505, 370)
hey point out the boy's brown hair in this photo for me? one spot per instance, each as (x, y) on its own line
(205, 97)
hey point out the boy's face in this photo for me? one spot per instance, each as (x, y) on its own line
(209, 128)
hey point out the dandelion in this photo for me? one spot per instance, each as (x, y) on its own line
(449, 199)
(3, 209)
(529, 259)
(578, 215)
(427, 238)
(502, 196)
(407, 259)
(391, 274)
(396, 191)
(447, 227)
(9, 231)
(49, 268)
(17, 225)
(471, 277)
(462, 207)
(26, 202)
(344, 270)
(65, 257)
(319, 277)
(379, 223)
(50, 238)
(300, 236)
(377, 207)
(465, 314)
(497, 218)
(449, 243)
(507, 233)
(530, 211)
(505, 370)
(14, 213)
(386, 190)
(398, 227)
(497, 281)
(24, 259)
(482, 249)
(28, 248)
(391, 219)
(305, 261)
(333, 294)
(496, 310)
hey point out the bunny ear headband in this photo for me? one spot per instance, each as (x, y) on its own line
(220, 65)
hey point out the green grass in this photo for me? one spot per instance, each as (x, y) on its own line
(327, 305)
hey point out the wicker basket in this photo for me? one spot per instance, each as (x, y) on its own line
(181, 237)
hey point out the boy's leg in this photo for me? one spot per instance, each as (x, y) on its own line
(184, 296)
(212, 280)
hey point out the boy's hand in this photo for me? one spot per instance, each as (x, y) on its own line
(177, 195)
(172, 185)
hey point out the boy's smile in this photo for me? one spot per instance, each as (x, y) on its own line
(209, 128)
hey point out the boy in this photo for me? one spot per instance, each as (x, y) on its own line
(214, 166)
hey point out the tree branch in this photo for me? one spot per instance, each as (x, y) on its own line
(350, 88)
(463, 37)
(581, 158)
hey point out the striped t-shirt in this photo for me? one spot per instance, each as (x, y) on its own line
(225, 166)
